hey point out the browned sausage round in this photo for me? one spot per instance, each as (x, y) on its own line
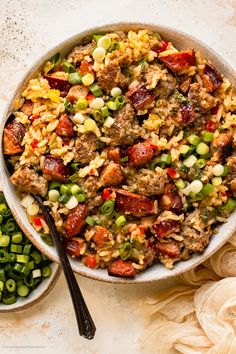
(58, 83)
(140, 97)
(75, 220)
(73, 246)
(171, 200)
(112, 175)
(12, 138)
(165, 227)
(54, 168)
(65, 127)
(171, 249)
(139, 154)
(178, 61)
(121, 268)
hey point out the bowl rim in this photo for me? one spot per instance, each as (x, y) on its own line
(35, 67)
(27, 302)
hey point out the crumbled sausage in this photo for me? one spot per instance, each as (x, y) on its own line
(86, 146)
(29, 181)
(65, 127)
(111, 76)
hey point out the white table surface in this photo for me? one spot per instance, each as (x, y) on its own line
(27, 29)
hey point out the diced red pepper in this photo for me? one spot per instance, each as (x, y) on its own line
(35, 116)
(162, 48)
(90, 97)
(37, 220)
(210, 126)
(34, 143)
(154, 147)
(171, 172)
(106, 194)
(90, 261)
(85, 67)
(214, 110)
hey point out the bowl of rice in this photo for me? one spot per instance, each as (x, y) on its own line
(127, 131)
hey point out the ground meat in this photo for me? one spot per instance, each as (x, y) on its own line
(147, 182)
(201, 100)
(166, 87)
(125, 128)
(85, 146)
(90, 186)
(111, 76)
(196, 231)
(29, 181)
(27, 107)
(78, 54)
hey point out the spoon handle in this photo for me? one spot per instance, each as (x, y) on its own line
(85, 322)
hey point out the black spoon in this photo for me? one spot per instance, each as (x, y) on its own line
(85, 322)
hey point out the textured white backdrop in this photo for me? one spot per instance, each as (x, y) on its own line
(28, 29)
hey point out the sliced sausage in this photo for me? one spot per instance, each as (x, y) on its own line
(170, 200)
(29, 181)
(140, 97)
(65, 127)
(165, 228)
(54, 168)
(187, 114)
(121, 268)
(100, 236)
(58, 83)
(211, 78)
(76, 92)
(75, 220)
(178, 61)
(185, 84)
(139, 154)
(27, 107)
(132, 203)
(13, 137)
(114, 154)
(112, 175)
(74, 245)
(170, 249)
(223, 145)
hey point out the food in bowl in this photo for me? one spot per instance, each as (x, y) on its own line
(22, 266)
(131, 144)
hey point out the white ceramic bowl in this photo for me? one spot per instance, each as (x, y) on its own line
(36, 295)
(181, 41)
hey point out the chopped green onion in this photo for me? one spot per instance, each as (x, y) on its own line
(218, 170)
(69, 106)
(229, 206)
(82, 104)
(17, 237)
(2, 275)
(97, 36)
(64, 189)
(207, 136)
(112, 105)
(216, 181)
(4, 240)
(75, 189)
(10, 226)
(36, 273)
(202, 149)
(68, 67)
(120, 221)
(207, 189)
(36, 257)
(180, 184)
(184, 149)
(1, 285)
(9, 299)
(226, 171)
(75, 78)
(98, 116)
(28, 280)
(53, 195)
(190, 161)
(12, 257)
(22, 258)
(16, 248)
(23, 290)
(4, 257)
(193, 139)
(96, 90)
(80, 197)
(18, 267)
(46, 271)
(125, 250)
(120, 101)
(107, 207)
(76, 166)
(47, 239)
(27, 249)
(90, 221)
(124, 159)
(165, 159)
(10, 285)
(201, 163)
(105, 112)
(54, 185)
(56, 60)
(1, 219)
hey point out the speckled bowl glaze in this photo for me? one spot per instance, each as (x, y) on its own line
(182, 41)
(36, 295)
